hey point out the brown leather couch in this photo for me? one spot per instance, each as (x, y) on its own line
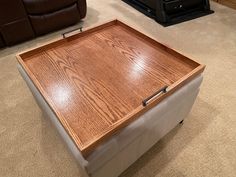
(24, 19)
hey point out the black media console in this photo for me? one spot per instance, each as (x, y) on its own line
(169, 12)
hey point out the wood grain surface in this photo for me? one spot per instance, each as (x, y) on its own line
(95, 81)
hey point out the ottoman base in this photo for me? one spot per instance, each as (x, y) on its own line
(114, 156)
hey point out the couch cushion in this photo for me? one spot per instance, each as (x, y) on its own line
(46, 6)
(11, 11)
(52, 21)
(17, 31)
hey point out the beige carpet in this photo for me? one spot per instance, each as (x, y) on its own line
(204, 146)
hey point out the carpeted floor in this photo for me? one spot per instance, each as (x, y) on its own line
(204, 146)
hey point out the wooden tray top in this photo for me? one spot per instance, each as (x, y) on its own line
(95, 81)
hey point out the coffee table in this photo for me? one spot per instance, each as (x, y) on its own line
(112, 92)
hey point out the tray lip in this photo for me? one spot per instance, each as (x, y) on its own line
(87, 149)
